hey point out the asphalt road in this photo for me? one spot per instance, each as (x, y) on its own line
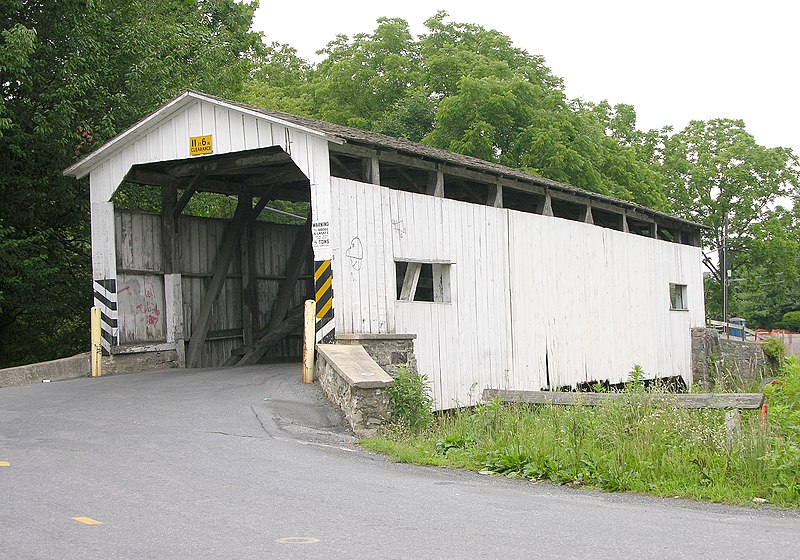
(248, 463)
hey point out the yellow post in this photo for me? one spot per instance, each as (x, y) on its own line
(309, 339)
(97, 348)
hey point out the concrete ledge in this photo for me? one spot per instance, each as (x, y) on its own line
(54, 370)
(370, 336)
(78, 366)
(353, 363)
(354, 383)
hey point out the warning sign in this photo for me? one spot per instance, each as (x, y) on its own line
(199, 145)
(321, 237)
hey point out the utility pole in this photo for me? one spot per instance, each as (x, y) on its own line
(725, 269)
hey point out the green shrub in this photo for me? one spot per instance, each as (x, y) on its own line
(791, 321)
(411, 400)
(774, 349)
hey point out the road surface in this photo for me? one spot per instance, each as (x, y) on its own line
(248, 463)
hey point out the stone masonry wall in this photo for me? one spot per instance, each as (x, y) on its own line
(389, 351)
(719, 362)
(364, 409)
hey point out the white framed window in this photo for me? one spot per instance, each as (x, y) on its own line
(423, 281)
(677, 297)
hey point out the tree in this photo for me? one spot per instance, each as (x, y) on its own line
(73, 74)
(714, 172)
(467, 89)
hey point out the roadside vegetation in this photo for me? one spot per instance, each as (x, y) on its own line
(634, 444)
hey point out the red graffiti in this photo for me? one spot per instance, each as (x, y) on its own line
(152, 313)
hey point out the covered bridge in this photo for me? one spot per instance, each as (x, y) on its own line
(506, 279)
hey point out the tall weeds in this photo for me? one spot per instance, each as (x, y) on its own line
(635, 443)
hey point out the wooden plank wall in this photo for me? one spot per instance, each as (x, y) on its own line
(140, 273)
(532, 296)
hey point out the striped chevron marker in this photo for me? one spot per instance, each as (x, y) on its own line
(105, 297)
(323, 294)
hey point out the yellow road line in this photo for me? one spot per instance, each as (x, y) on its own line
(5, 464)
(87, 521)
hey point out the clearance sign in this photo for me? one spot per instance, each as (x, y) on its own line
(199, 145)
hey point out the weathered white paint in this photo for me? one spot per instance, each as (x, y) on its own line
(165, 136)
(532, 296)
(231, 130)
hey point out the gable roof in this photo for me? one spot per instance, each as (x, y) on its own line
(340, 134)
(82, 167)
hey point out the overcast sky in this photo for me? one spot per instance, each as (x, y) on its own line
(674, 61)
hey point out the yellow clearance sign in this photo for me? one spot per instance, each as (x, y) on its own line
(199, 145)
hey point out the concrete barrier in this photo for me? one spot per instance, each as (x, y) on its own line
(55, 370)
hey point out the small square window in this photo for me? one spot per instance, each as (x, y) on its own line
(420, 281)
(677, 297)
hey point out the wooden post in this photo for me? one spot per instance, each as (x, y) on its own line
(547, 210)
(375, 170)
(309, 336)
(435, 186)
(169, 197)
(495, 195)
(97, 347)
(248, 283)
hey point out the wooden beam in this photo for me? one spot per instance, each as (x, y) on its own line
(337, 163)
(191, 188)
(410, 281)
(625, 227)
(409, 179)
(353, 150)
(294, 266)
(283, 329)
(150, 177)
(213, 165)
(221, 264)
(752, 401)
(280, 307)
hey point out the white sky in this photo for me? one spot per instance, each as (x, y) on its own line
(673, 61)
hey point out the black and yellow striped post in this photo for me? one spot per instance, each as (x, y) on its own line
(323, 294)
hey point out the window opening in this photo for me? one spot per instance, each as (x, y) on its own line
(420, 281)
(568, 210)
(605, 219)
(677, 297)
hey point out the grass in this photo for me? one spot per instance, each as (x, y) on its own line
(630, 444)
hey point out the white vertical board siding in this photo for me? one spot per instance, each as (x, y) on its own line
(589, 303)
(363, 269)
(461, 345)
(536, 301)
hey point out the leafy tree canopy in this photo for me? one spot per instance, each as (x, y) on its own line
(463, 88)
(72, 74)
(715, 171)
